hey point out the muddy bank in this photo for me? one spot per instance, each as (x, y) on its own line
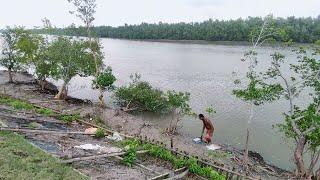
(128, 124)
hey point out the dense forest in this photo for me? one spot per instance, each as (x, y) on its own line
(301, 30)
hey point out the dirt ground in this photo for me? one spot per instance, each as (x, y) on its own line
(26, 88)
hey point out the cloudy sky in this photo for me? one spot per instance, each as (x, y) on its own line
(117, 12)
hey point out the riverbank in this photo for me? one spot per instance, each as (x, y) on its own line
(128, 124)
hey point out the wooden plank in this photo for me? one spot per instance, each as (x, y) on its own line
(161, 176)
(27, 130)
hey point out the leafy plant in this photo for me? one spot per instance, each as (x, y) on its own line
(69, 118)
(210, 110)
(141, 96)
(15, 47)
(130, 156)
(104, 81)
(72, 58)
(100, 133)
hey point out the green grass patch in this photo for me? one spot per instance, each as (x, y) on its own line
(45, 112)
(20, 160)
(69, 118)
(33, 125)
(16, 104)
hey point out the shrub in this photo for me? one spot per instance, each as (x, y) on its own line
(100, 133)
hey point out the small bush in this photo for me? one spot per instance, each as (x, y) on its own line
(100, 133)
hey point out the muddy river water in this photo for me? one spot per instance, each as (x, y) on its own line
(204, 70)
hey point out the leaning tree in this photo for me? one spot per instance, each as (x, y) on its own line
(72, 57)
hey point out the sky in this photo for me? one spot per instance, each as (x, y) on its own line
(29, 13)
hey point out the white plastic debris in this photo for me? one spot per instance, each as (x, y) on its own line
(89, 147)
(213, 147)
(115, 137)
(197, 140)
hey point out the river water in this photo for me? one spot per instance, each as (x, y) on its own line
(204, 70)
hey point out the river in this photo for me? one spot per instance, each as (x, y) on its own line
(204, 70)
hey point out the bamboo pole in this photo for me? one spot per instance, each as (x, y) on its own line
(99, 156)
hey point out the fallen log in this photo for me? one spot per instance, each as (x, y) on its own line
(99, 156)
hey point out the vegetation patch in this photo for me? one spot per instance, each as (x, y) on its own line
(177, 161)
(19, 160)
(68, 118)
(100, 133)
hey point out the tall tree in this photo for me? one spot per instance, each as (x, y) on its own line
(256, 92)
(85, 10)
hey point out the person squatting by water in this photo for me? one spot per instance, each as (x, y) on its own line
(209, 129)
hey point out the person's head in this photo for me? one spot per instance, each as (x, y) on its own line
(201, 116)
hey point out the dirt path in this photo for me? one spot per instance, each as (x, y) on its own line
(124, 123)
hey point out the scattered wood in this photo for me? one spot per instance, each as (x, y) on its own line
(99, 156)
(161, 176)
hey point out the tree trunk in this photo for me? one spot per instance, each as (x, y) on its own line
(62, 94)
(101, 99)
(10, 75)
(246, 151)
(298, 156)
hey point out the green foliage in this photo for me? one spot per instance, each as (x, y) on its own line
(141, 96)
(100, 133)
(45, 112)
(73, 58)
(69, 118)
(179, 162)
(105, 79)
(14, 48)
(259, 92)
(302, 30)
(210, 110)
(130, 156)
(16, 104)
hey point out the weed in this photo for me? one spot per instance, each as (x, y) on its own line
(100, 133)
(45, 112)
(131, 154)
(33, 125)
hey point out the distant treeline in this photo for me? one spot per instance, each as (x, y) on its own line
(301, 30)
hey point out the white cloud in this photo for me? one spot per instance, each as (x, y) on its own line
(117, 12)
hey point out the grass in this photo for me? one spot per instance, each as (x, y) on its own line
(20, 160)
(33, 125)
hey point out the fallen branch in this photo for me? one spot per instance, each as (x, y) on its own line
(161, 176)
(99, 156)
